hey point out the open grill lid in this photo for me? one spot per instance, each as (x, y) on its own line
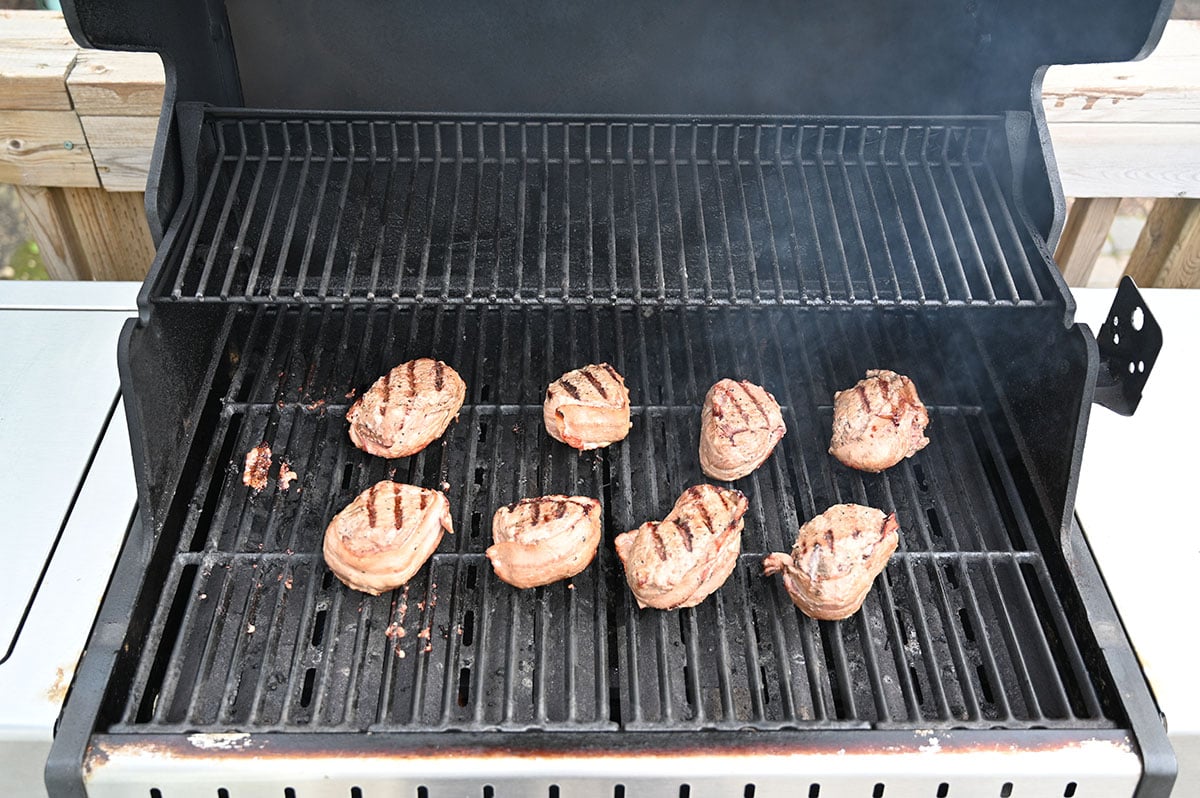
(760, 57)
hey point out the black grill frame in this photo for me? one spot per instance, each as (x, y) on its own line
(197, 352)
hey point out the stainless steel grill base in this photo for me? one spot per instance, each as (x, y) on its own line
(919, 766)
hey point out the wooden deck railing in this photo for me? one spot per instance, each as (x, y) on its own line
(77, 129)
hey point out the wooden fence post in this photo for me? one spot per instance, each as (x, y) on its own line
(1083, 237)
(89, 233)
(1167, 253)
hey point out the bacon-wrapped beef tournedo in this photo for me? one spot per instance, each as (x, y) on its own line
(739, 427)
(878, 422)
(835, 560)
(406, 409)
(385, 535)
(679, 561)
(588, 408)
(542, 540)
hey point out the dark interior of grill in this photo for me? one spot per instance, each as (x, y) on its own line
(322, 251)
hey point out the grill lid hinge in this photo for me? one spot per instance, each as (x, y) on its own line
(1129, 342)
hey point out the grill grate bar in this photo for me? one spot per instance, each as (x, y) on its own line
(701, 225)
(239, 248)
(752, 251)
(766, 212)
(971, 241)
(793, 239)
(319, 202)
(235, 253)
(856, 217)
(293, 215)
(939, 206)
(381, 221)
(998, 196)
(989, 227)
(834, 224)
(922, 223)
(875, 214)
(901, 228)
(231, 196)
(357, 222)
(210, 189)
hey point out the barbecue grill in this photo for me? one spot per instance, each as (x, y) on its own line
(783, 193)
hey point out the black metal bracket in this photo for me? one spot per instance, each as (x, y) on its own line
(1129, 341)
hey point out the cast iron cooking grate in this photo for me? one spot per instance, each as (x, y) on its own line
(309, 208)
(251, 632)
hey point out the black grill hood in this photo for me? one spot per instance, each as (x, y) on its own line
(626, 57)
(748, 58)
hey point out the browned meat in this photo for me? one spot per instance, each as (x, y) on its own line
(739, 427)
(385, 535)
(543, 540)
(588, 408)
(258, 463)
(878, 422)
(286, 476)
(835, 560)
(678, 562)
(406, 409)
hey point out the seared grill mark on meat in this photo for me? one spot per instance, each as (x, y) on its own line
(371, 505)
(755, 401)
(686, 530)
(829, 539)
(398, 507)
(570, 387)
(439, 375)
(659, 544)
(862, 395)
(599, 386)
(728, 391)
